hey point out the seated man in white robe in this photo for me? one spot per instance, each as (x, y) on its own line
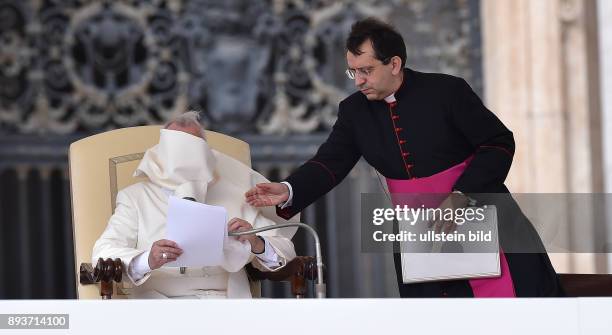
(182, 164)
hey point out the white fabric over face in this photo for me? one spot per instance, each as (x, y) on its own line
(180, 162)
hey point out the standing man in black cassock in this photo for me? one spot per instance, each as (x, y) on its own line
(407, 125)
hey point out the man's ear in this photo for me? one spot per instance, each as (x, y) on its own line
(397, 65)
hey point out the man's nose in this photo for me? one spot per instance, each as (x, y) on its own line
(359, 81)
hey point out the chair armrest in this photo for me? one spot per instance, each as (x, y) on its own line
(105, 272)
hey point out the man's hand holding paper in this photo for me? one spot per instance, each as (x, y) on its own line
(162, 252)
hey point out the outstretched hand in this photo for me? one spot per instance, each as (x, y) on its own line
(267, 194)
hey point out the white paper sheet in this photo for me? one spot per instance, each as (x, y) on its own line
(198, 229)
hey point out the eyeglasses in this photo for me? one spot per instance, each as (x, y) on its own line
(364, 72)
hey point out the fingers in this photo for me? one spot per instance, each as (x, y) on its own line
(160, 255)
(170, 257)
(259, 201)
(261, 188)
(171, 250)
(166, 255)
(264, 186)
(238, 224)
(251, 193)
(266, 194)
(166, 246)
(173, 255)
(255, 201)
(233, 224)
(166, 243)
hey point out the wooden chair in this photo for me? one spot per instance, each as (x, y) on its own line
(103, 164)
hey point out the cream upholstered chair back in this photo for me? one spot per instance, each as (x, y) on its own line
(103, 164)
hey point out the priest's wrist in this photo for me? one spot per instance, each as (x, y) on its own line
(258, 245)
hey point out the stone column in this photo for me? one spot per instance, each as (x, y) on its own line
(604, 11)
(541, 78)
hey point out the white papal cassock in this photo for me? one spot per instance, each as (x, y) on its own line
(176, 166)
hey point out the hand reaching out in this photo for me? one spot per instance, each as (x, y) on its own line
(267, 194)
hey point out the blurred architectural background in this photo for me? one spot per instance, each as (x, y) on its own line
(271, 72)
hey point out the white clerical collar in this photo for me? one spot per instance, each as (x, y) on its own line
(390, 98)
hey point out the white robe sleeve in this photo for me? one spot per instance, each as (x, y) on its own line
(236, 254)
(282, 246)
(269, 257)
(120, 237)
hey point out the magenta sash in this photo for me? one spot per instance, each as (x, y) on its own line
(442, 183)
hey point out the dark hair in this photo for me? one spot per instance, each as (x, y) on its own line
(386, 41)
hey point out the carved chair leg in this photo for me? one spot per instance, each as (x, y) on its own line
(298, 283)
(307, 270)
(106, 289)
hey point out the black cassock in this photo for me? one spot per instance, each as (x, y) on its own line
(436, 123)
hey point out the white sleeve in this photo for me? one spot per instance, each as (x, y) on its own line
(139, 266)
(120, 237)
(290, 199)
(269, 257)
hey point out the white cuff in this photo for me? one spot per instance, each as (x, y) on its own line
(290, 199)
(269, 257)
(139, 266)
